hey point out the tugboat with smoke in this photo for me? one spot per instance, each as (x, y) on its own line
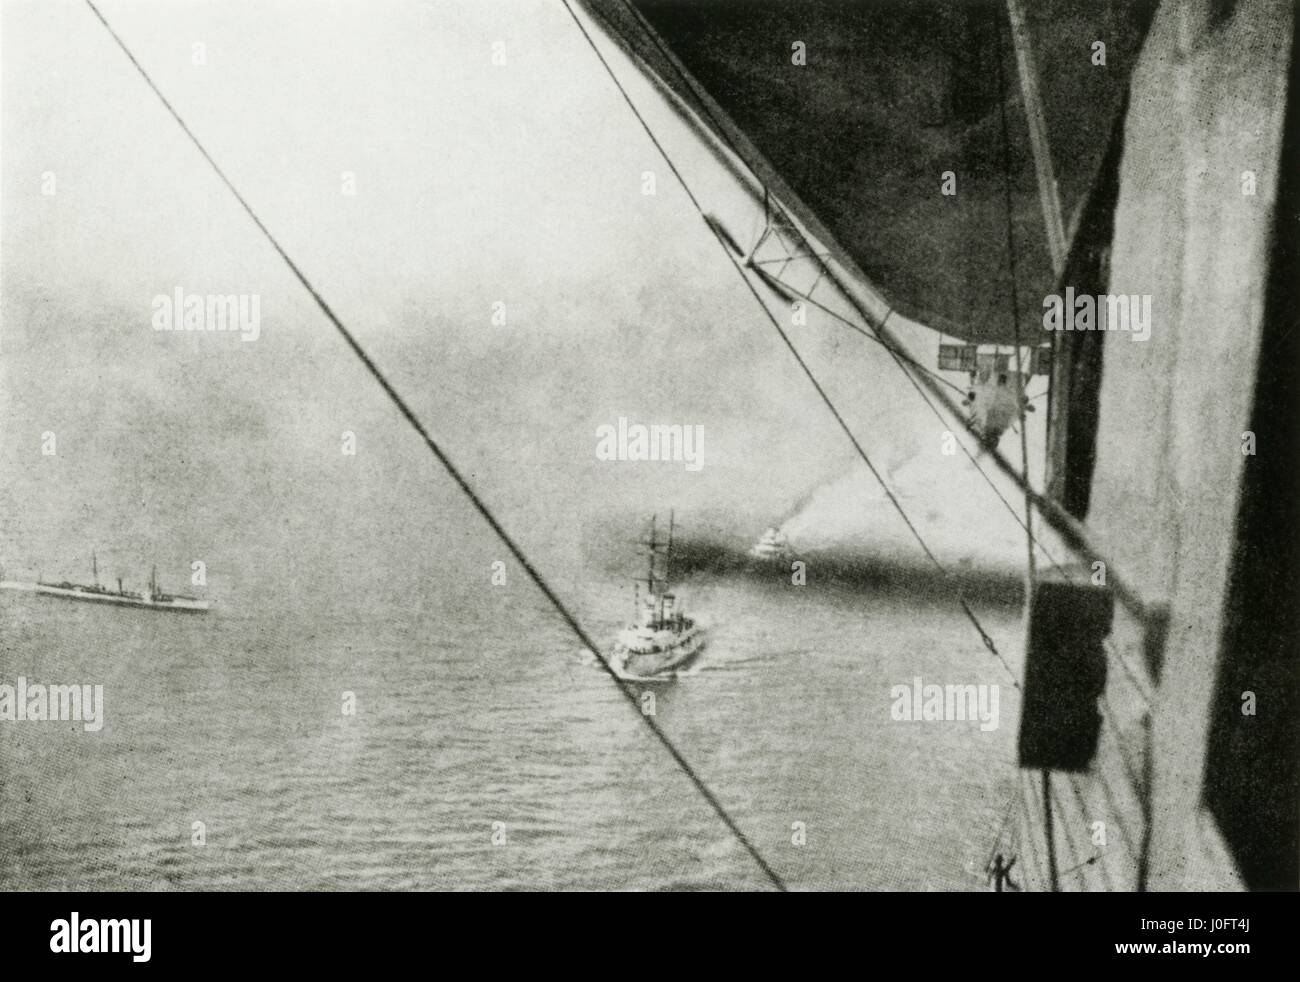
(771, 547)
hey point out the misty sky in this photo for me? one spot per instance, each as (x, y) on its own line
(475, 183)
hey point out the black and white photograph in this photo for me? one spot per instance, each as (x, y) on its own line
(648, 446)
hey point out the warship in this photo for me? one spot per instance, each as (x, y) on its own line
(661, 639)
(153, 599)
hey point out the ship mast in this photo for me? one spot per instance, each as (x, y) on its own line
(653, 547)
(668, 562)
(668, 555)
(656, 584)
(94, 567)
(657, 579)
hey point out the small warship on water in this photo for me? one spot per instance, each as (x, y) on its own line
(662, 639)
(154, 599)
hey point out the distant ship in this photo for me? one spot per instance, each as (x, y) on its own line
(771, 546)
(155, 599)
(662, 639)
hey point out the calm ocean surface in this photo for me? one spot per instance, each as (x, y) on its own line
(470, 714)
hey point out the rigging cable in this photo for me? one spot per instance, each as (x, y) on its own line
(1015, 315)
(456, 476)
(1087, 862)
(1015, 312)
(1013, 270)
(867, 332)
(997, 839)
